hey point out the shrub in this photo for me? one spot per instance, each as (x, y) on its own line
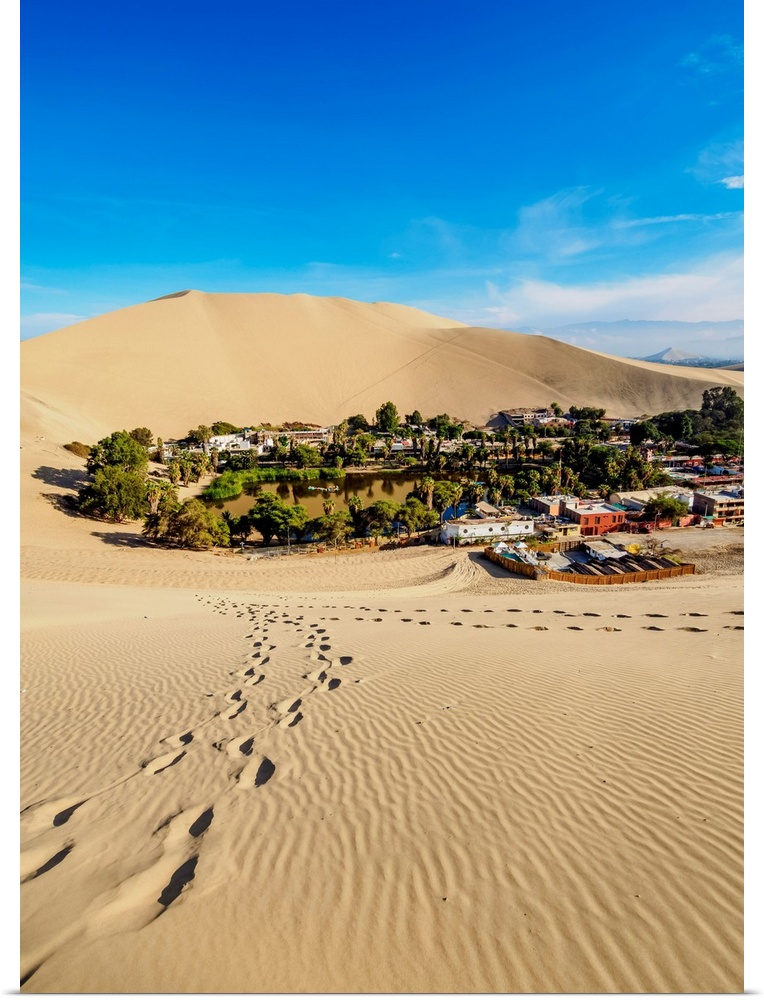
(78, 448)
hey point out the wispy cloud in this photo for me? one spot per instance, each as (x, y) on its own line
(31, 286)
(718, 54)
(556, 227)
(720, 162)
(733, 182)
(663, 220)
(711, 290)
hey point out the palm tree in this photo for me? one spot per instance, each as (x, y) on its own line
(427, 486)
(456, 495)
(328, 506)
(507, 486)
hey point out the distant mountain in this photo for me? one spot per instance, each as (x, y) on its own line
(718, 343)
(674, 356)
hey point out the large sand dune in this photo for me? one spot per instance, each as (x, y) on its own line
(388, 772)
(194, 357)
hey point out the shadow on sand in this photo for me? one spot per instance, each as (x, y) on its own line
(68, 479)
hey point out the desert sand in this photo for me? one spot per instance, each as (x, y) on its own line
(195, 358)
(371, 772)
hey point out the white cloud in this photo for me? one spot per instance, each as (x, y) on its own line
(711, 290)
(30, 286)
(733, 182)
(662, 220)
(555, 227)
(717, 161)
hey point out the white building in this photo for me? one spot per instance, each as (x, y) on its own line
(466, 530)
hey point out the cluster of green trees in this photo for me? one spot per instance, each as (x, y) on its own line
(274, 518)
(611, 469)
(663, 506)
(715, 429)
(122, 490)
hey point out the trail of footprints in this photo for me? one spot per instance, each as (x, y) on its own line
(566, 614)
(181, 838)
(181, 835)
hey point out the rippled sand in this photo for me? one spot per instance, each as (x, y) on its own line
(389, 772)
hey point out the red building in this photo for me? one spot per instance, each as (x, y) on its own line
(595, 518)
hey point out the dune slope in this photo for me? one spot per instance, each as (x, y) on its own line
(195, 357)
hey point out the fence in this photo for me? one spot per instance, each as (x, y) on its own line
(513, 565)
(615, 578)
(538, 573)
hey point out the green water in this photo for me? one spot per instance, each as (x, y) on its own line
(369, 488)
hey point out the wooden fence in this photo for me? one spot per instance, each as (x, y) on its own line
(615, 578)
(513, 565)
(538, 573)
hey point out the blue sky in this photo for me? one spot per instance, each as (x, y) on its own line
(505, 163)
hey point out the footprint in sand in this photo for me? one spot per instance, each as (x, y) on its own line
(57, 858)
(655, 615)
(265, 772)
(235, 711)
(653, 628)
(178, 881)
(539, 628)
(162, 763)
(345, 660)
(574, 628)
(424, 623)
(735, 628)
(590, 614)
(296, 720)
(456, 623)
(621, 616)
(608, 628)
(202, 823)
(691, 628)
(511, 625)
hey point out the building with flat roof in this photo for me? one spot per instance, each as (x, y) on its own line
(724, 505)
(553, 506)
(467, 530)
(595, 518)
(637, 499)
